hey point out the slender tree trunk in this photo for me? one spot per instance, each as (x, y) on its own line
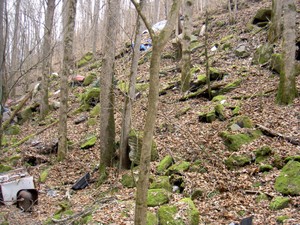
(186, 42)
(47, 53)
(95, 31)
(275, 30)
(287, 86)
(2, 54)
(68, 62)
(206, 56)
(159, 43)
(15, 50)
(126, 120)
(107, 121)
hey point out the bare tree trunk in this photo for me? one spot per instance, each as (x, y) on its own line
(156, 11)
(287, 91)
(206, 56)
(186, 42)
(275, 28)
(2, 54)
(159, 42)
(15, 50)
(68, 62)
(47, 53)
(126, 120)
(95, 31)
(107, 121)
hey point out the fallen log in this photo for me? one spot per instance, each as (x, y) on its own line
(271, 133)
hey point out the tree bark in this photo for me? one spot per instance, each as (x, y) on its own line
(95, 32)
(159, 41)
(275, 30)
(107, 121)
(126, 120)
(186, 42)
(47, 53)
(2, 54)
(287, 91)
(68, 62)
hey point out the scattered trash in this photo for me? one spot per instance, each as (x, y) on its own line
(159, 26)
(51, 193)
(245, 221)
(214, 49)
(82, 183)
(144, 47)
(16, 186)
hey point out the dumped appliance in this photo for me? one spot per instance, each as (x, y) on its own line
(17, 186)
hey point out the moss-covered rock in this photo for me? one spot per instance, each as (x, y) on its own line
(24, 115)
(128, 180)
(4, 168)
(151, 219)
(164, 164)
(242, 51)
(85, 59)
(44, 174)
(288, 182)
(236, 110)
(12, 130)
(242, 121)
(235, 141)
(276, 64)
(281, 219)
(262, 153)
(265, 168)
(161, 182)
(219, 98)
(183, 212)
(91, 122)
(89, 142)
(215, 74)
(261, 197)
(179, 167)
(279, 203)
(157, 197)
(262, 17)
(135, 142)
(207, 117)
(95, 112)
(263, 54)
(235, 161)
(293, 157)
(220, 112)
(89, 99)
(89, 79)
(229, 87)
(196, 194)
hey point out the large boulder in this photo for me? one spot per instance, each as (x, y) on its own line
(157, 197)
(262, 17)
(263, 54)
(235, 161)
(288, 182)
(135, 142)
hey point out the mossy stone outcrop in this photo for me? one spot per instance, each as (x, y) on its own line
(164, 164)
(215, 74)
(151, 219)
(4, 168)
(128, 181)
(288, 181)
(179, 167)
(235, 161)
(263, 54)
(89, 142)
(157, 197)
(89, 99)
(276, 64)
(293, 157)
(235, 141)
(262, 153)
(220, 112)
(89, 79)
(161, 182)
(208, 117)
(219, 98)
(85, 59)
(25, 115)
(135, 142)
(242, 121)
(265, 168)
(13, 130)
(262, 17)
(181, 213)
(229, 87)
(95, 112)
(279, 203)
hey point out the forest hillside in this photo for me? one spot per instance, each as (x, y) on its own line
(224, 156)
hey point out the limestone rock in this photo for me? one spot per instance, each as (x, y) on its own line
(157, 197)
(279, 203)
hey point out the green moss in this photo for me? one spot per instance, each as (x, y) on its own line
(281, 219)
(235, 141)
(92, 122)
(294, 158)
(243, 121)
(276, 63)
(263, 54)
(44, 174)
(278, 161)
(215, 73)
(156, 197)
(167, 215)
(151, 219)
(230, 86)
(25, 115)
(195, 45)
(279, 203)
(197, 194)
(164, 164)
(95, 112)
(192, 211)
(140, 87)
(220, 112)
(4, 168)
(219, 98)
(89, 142)
(179, 167)
(95, 65)
(128, 181)
(89, 79)
(85, 59)
(13, 130)
(262, 153)
(235, 161)
(261, 197)
(236, 110)
(207, 117)
(265, 168)
(288, 182)
(194, 70)
(161, 182)
(92, 96)
(123, 86)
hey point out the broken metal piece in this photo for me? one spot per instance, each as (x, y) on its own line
(82, 182)
(26, 199)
